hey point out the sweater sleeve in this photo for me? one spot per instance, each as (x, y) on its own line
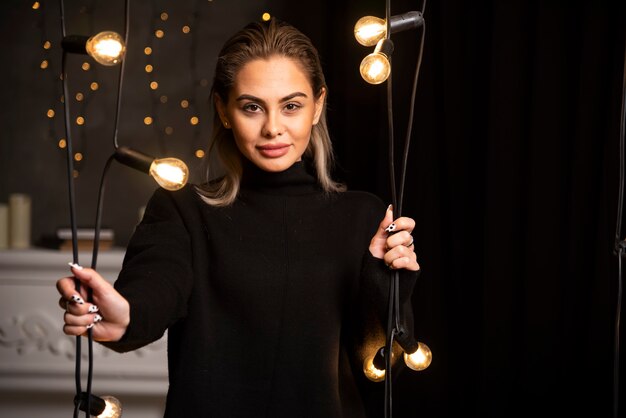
(156, 276)
(376, 279)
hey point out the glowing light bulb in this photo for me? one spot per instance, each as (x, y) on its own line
(112, 408)
(107, 48)
(368, 30)
(374, 366)
(100, 407)
(420, 358)
(375, 68)
(170, 173)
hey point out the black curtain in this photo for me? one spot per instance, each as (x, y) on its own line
(513, 181)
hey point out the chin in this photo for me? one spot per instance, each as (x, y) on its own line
(274, 164)
(275, 167)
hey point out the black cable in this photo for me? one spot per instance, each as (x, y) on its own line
(619, 245)
(72, 199)
(392, 182)
(70, 170)
(617, 326)
(410, 121)
(98, 222)
(393, 319)
(121, 73)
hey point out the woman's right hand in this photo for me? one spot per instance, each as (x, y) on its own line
(108, 313)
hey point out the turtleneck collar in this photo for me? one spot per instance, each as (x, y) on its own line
(297, 179)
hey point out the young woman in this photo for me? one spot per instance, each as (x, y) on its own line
(265, 277)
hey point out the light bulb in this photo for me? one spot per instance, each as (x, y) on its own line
(375, 68)
(107, 48)
(100, 407)
(170, 173)
(112, 408)
(368, 30)
(420, 358)
(374, 366)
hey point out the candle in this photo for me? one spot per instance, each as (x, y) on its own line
(4, 226)
(19, 220)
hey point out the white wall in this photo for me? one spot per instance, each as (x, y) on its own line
(37, 361)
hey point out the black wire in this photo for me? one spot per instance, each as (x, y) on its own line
(70, 169)
(392, 183)
(619, 244)
(71, 190)
(393, 319)
(410, 121)
(616, 348)
(98, 223)
(121, 73)
(96, 242)
(389, 350)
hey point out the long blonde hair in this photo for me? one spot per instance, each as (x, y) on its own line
(261, 40)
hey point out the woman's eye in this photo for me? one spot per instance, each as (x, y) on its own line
(292, 106)
(251, 107)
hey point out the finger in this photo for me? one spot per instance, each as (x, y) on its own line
(86, 320)
(403, 223)
(386, 222)
(377, 243)
(67, 287)
(403, 263)
(401, 257)
(91, 279)
(401, 238)
(76, 308)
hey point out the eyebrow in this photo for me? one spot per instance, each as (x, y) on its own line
(284, 99)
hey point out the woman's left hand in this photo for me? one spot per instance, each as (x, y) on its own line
(393, 242)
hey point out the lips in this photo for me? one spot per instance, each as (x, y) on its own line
(273, 150)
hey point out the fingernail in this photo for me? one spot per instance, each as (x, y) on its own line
(76, 266)
(78, 299)
(389, 207)
(97, 318)
(89, 326)
(93, 308)
(391, 227)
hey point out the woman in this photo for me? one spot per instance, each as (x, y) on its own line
(262, 276)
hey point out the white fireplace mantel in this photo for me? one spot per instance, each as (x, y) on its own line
(35, 355)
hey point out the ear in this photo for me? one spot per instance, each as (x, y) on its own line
(220, 106)
(319, 106)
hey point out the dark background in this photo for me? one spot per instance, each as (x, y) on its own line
(512, 173)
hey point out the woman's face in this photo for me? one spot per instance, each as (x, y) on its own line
(271, 110)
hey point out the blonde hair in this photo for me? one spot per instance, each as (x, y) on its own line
(262, 40)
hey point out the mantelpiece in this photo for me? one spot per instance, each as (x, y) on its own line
(35, 355)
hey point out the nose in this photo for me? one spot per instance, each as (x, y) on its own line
(272, 126)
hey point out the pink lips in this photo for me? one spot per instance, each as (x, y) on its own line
(273, 150)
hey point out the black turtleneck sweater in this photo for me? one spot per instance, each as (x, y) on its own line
(262, 299)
